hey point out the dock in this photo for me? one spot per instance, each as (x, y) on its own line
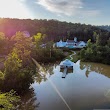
(64, 72)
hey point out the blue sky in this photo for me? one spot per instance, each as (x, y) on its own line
(95, 12)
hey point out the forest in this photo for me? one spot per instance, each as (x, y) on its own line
(105, 27)
(97, 52)
(54, 29)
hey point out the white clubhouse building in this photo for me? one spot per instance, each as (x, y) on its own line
(71, 43)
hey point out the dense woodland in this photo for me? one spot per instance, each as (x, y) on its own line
(96, 52)
(54, 29)
(105, 27)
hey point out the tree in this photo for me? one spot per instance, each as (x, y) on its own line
(98, 40)
(9, 100)
(1, 79)
(89, 44)
(101, 39)
(38, 39)
(108, 42)
(94, 36)
(23, 47)
(13, 63)
(2, 42)
(21, 74)
(21, 41)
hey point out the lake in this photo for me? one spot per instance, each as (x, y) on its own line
(86, 88)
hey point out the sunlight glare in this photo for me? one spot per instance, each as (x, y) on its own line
(14, 9)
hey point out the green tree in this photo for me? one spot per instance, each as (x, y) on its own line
(21, 41)
(13, 63)
(89, 44)
(9, 100)
(1, 79)
(21, 74)
(98, 40)
(38, 39)
(108, 42)
(95, 36)
(23, 47)
(2, 42)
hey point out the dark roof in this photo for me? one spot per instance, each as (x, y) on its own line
(70, 41)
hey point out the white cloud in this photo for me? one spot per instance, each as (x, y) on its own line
(91, 13)
(66, 7)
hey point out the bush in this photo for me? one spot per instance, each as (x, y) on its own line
(100, 54)
(46, 55)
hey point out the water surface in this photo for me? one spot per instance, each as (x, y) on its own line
(86, 88)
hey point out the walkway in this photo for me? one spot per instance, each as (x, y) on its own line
(71, 56)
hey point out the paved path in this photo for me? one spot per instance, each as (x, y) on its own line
(71, 56)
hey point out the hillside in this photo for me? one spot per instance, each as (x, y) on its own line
(54, 29)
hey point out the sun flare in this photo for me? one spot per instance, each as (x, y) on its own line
(14, 9)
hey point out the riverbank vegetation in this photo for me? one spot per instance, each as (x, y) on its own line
(19, 65)
(45, 52)
(19, 70)
(9, 100)
(97, 52)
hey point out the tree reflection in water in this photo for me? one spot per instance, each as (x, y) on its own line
(43, 72)
(29, 101)
(97, 67)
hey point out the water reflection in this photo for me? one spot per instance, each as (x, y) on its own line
(29, 101)
(97, 67)
(87, 87)
(43, 72)
(88, 67)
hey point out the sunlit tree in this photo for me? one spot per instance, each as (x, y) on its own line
(9, 100)
(2, 42)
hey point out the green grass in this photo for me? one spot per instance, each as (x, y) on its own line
(75, 57)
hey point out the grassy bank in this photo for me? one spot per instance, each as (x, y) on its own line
(74, 56)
